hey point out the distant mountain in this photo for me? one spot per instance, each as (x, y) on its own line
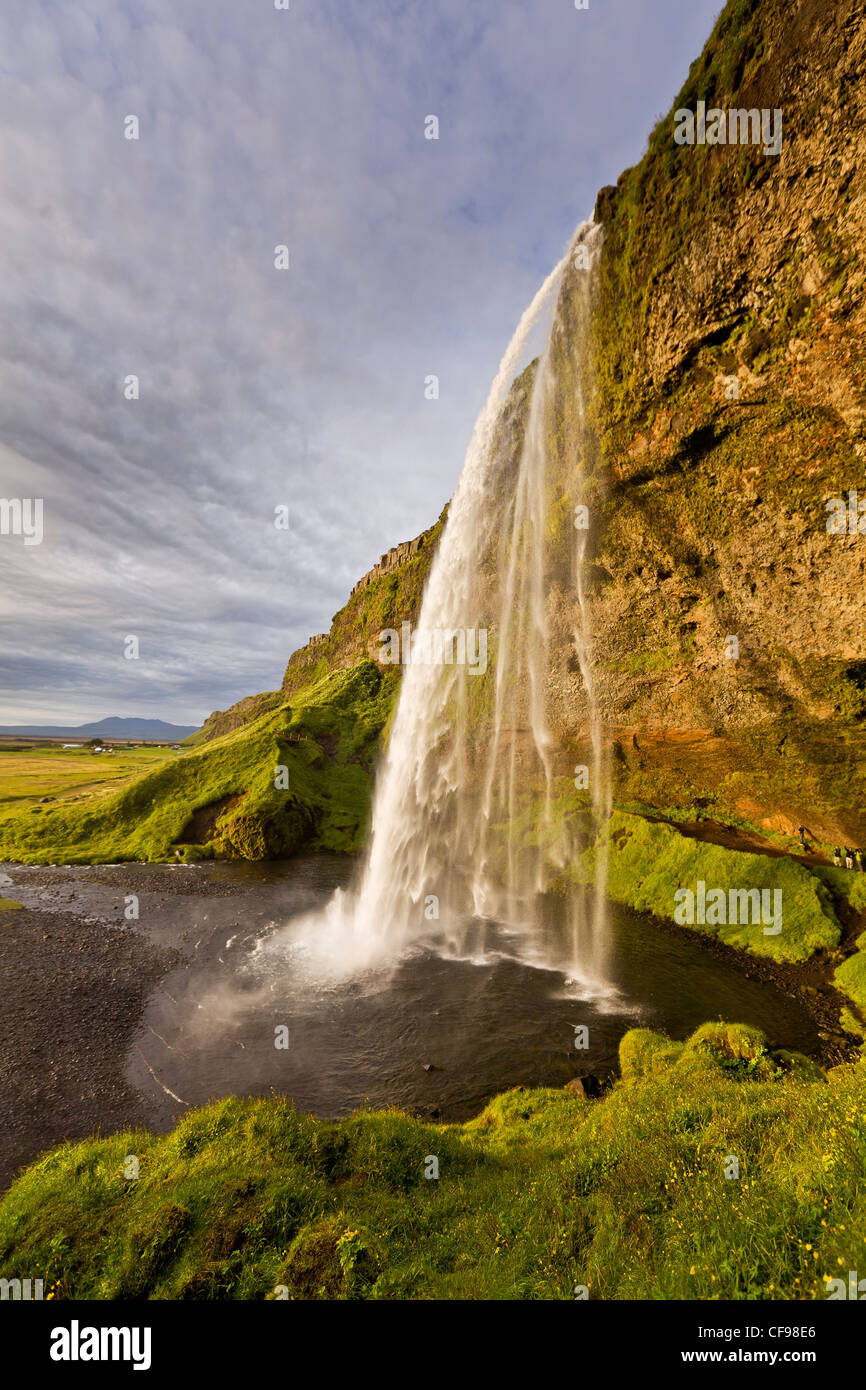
(113, 728)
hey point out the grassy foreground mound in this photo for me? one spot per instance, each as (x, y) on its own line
(542, 1194)
(298, 776)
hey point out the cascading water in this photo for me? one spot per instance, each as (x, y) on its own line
(467, 829)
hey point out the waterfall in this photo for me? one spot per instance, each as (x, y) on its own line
(473, 818)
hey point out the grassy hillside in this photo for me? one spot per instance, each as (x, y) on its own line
(543, 1194)
(223, 797)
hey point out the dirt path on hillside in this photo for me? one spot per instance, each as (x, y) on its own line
(748, 842)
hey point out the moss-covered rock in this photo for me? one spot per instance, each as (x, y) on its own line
(643, 1052)
(737, 1048)
(313, 1269)
(650, 865)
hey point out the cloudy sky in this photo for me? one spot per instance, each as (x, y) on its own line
(261, 387)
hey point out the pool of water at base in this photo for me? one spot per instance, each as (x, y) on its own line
(431, 1033)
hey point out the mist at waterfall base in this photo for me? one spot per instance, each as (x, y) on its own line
(464, 839)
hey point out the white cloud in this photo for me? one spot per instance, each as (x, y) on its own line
(156, 258)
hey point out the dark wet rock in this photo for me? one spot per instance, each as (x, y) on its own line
(587, 1087)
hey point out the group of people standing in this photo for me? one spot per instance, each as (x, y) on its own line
(851, 858)
(854, 858)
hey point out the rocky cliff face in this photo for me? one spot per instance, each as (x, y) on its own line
(386, 596)
(731, 398)
(390, 561)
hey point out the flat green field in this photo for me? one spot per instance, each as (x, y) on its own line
(28, 774)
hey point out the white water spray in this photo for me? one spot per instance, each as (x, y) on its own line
(467, 826)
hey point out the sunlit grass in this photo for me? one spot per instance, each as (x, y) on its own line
(542, 1195)
(326, 736)
(31, 773)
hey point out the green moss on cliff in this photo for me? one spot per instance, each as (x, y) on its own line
(679, 192)
(712, 507)
(650, 862)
